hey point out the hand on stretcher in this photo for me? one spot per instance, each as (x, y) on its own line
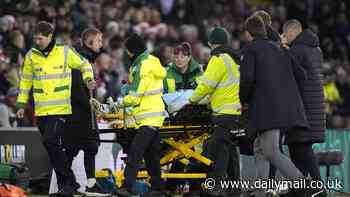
(112, 114)
(110, 107)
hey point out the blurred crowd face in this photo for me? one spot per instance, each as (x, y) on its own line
(204, 54)
(63, 24)
(155, 17)
(236, 45)
(62, 11)
(4, 66)
(117, 56)
(42, 41)
(84, 4)
(167, 53)
(104, 62)
(12, 99)
(110, 12)
(25, 26)
(95, 43)
(66, 39)
(189, 33)
(19, 41)
(139, 17)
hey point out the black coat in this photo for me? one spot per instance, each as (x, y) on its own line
(79, 124)
(268, 85)
(305, 48)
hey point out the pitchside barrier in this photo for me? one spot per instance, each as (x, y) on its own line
(23, 145)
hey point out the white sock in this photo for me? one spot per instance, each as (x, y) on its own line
(91, 182)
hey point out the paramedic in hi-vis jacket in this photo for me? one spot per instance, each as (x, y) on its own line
(221, 82)
(145, 96)
(47, 72)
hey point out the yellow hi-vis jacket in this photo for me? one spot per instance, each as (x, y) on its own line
(221, 82)
(50, 78)
(146, 91)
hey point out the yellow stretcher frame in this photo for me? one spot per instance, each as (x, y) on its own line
(144, 175)
(181, 149)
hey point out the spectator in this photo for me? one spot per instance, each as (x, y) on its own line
(6, 26)
(64, 38)
(342, 113)
(165, 54)
(163, 23)
(8, 109)
(189, 33)
(16, 47)
(79, 15)
(4, 68)
(107, 78)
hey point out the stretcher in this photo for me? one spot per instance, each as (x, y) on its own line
(179, 137)
(180, 134)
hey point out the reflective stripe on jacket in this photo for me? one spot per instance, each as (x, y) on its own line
(50, 78)
(146, 90)
(221, 82)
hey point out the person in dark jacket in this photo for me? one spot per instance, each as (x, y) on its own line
(274, 36)
(79, 133)
(268, 87)
(304, 46)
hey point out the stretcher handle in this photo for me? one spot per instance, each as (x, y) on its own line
(125, 84)
(92, 113)
(124, 118)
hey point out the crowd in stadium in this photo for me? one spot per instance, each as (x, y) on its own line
(165, 23)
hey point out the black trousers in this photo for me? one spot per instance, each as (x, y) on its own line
(221, 150)
(303, 157)
(145, 144)
(233, 169)
(51, 129)
(79, 136)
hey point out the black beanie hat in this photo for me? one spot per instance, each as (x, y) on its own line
(135, 44)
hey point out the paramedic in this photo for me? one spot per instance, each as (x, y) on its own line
(47, 69)
(145, 96)
(221, 81)
(182, 74)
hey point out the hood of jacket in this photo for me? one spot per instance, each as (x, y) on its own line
(226, 49)
(87, 53)
(307, 37)
(151, 65)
